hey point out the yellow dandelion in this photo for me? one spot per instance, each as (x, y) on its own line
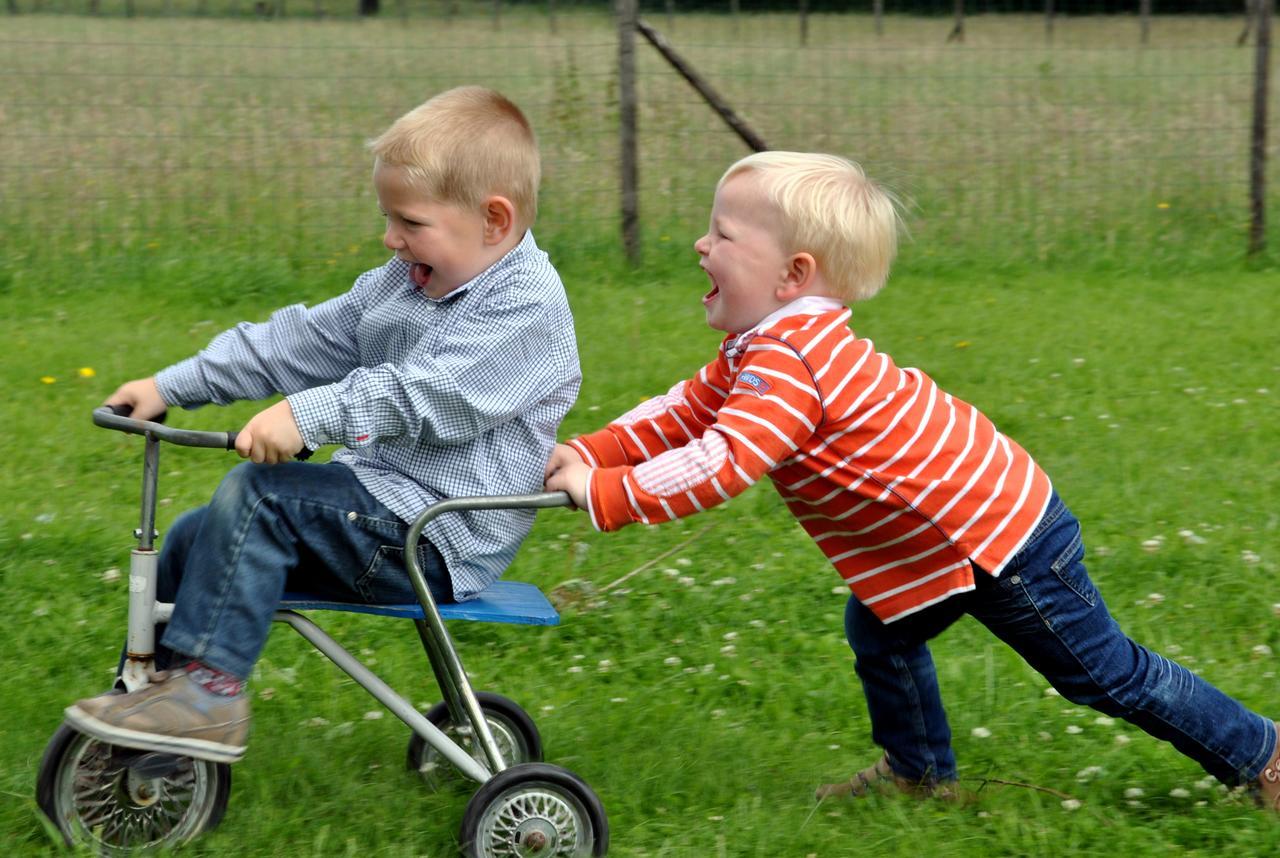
(355, 248)
(86, 372)
(152, 245)
(47, 379)
(1162, 205)
(963, 344)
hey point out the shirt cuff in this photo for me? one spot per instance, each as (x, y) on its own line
(600, 449)
(183, 384)
(319, 414)
(607, 501)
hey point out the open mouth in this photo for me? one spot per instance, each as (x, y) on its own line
(420, 273)
(710, 296)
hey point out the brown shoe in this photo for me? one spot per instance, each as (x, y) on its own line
(172, 715)
(1268, 783)
(882, 778)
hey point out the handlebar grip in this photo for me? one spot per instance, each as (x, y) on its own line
(301, 456)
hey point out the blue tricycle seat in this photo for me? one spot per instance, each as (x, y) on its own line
(500, 602)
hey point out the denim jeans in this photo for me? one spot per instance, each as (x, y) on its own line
(1045, 607)
(295, 526)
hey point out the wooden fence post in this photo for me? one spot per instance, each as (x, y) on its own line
(628, 141)
(877, 8)
(1048, 20)
(1258, 143)
(1144, 14)
(957, 29)
(804, 22)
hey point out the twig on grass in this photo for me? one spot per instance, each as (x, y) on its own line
(663, 556)
(564, 592)
(1053, 792)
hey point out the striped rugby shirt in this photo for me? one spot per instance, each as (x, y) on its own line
(904, 487)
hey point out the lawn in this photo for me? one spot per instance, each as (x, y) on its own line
(704, 696)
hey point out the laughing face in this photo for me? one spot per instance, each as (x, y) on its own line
(742, 256)
(444, 244)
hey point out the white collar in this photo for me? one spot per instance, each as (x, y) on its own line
(806, 305)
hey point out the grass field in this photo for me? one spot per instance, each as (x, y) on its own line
(705, 696)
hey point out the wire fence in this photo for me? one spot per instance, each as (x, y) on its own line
(239, 128)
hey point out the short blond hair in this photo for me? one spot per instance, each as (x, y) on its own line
(828, 207)
(464, 145)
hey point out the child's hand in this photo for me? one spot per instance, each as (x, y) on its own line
(271, 436)
(142, 396)
(566, 472)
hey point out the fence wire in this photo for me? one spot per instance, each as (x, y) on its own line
(244, 134)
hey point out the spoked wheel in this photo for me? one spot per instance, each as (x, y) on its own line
(513, 731)
(117, 800)
(534, 809)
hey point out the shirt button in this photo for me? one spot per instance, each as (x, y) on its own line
(351, 516)
(1015, 579)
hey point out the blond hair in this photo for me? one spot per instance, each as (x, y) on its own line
(464, 145)
(829, 208)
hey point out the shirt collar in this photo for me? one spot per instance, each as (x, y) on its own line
(806, 305)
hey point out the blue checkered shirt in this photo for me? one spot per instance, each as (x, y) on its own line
(430, 398)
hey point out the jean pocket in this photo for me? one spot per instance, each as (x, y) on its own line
(385, 580)
(1069, 569)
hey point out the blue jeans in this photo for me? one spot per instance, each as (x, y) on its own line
(1045, 607)
(295, 526)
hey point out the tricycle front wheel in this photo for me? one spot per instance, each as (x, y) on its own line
(118, 801)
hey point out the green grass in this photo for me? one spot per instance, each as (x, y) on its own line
(1151, 402)
(149, 203)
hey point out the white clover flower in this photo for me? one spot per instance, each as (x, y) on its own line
(671, 660)
(729, 649)
(1044, 736)
(315, 722)
(1102, 551)
(1074, 729)
(838, 590)
(617, 700)
(683, 561)
(111, 575)
(724, 582)
(729, 636)
(1179, 792)
(550, 707)
(577, 668)
(1151, 546)
(833, 747)
(1262, 650)
(980, 733)
(1071, 804)
(1155, 598)
(1206, 783)
(1134, 792)
(373, 715)
(1087, 773)
(1122, 739)
(717, 713)
(686, 581)
(1250, 557)
(1190, 537)
(1051, 692)
(1104, 721)
(670, 573)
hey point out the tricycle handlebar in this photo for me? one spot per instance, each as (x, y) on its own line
(110, 417)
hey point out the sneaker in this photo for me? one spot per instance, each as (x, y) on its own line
(172, 715)
(1268, 783)
(882, 778)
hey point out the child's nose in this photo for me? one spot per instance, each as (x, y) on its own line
(700, 246)
(390, 239)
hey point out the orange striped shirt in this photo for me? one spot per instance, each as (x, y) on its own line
(904, 487)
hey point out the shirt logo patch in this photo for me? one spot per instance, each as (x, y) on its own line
(757, 384)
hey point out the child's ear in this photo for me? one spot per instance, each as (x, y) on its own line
(800, 274)
(499, 219)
